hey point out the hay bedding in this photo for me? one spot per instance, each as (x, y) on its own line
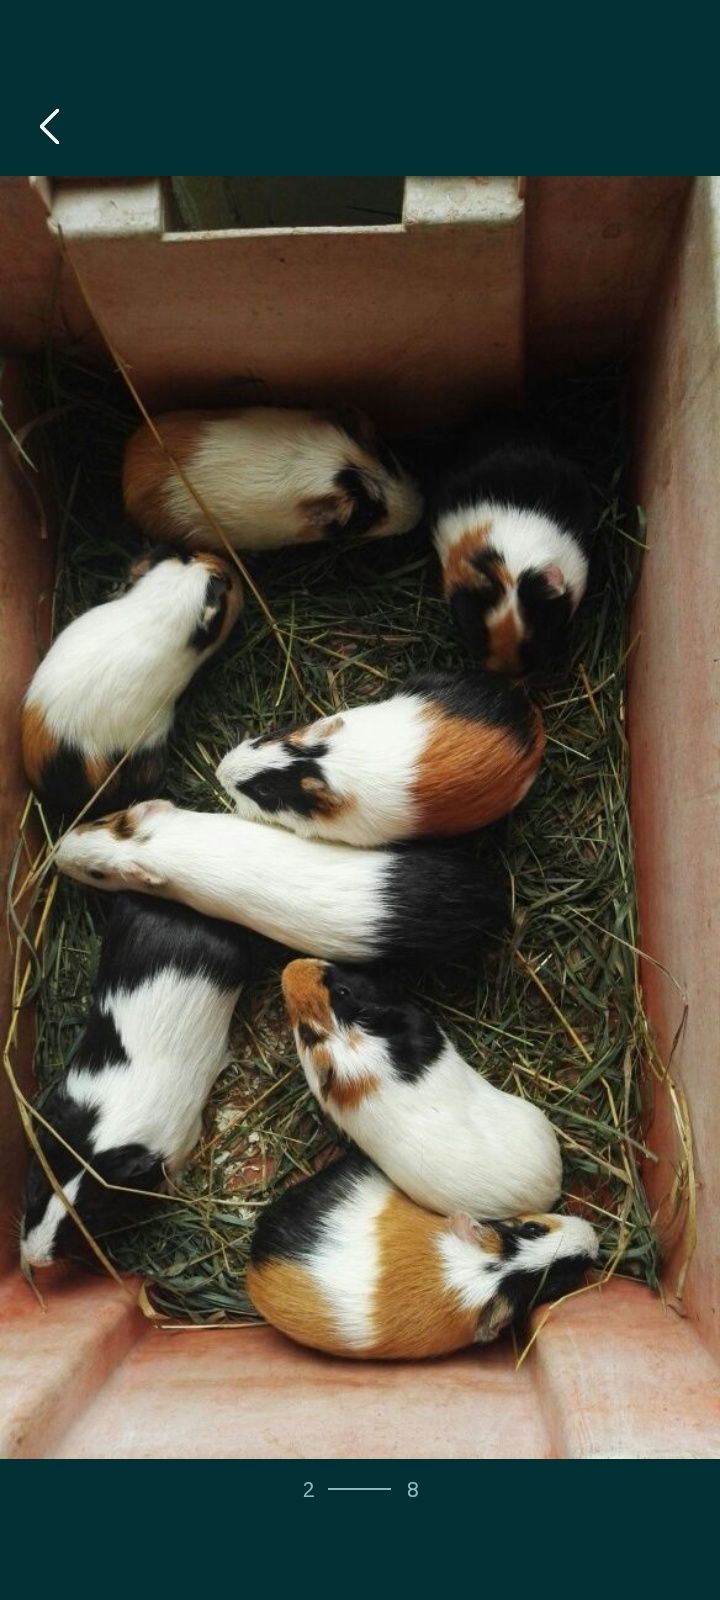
(553, 1014)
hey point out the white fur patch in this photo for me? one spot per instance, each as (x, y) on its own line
(475, 1275)
(253, 471)
(450, 1140)
(526, 541)
(346, 1266)
(321, 899)
(113, 675)
(174, 1030)
(38, 1246)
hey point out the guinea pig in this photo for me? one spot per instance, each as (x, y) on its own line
(329, 899)
(154, 1042)
(345, 1263)
(513, 531)
(391, 1079)
(269, 477)
(442, 756)
(108, 685)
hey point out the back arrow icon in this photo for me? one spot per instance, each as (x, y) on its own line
(44, 126)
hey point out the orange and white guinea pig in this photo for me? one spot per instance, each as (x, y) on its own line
(445, 755)
(108, 685)
(345, 1263)
(269, 477)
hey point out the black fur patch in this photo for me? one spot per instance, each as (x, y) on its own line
(100, 1045)
(294, 1226)
(64, 787)
(75, 1123)
(310, 1036)
(479, 697)
(133, 1166)
(281, 789)
(369, 507)
(413, 1039)
(468, 611)
(547, 617)
(145, 936)
(525, 475)
(438, 903)
(527, 1289)
(210, 626)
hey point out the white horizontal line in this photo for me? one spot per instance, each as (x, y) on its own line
(359, 1488)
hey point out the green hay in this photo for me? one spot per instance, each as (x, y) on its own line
(357, 620)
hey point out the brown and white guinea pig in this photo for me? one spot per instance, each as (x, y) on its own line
(443, 756)
(109, 683)
(154, 1042)
(391, 1079)
(269, 476)
(356, 905)
(345, 1263)
(513, 529)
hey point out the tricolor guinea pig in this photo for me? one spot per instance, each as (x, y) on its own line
(345, 1263)
(108, 685)
(391, 1079)
(332, 900)
(443, 756)
(268, 476)
(513, 531)
(131, 1103)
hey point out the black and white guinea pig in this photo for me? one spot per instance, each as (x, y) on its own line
(513, 529)
(332, 900)
(442, 756)
(345, 1263)
(269, 476)
(154, 1042)
(393, 1082)
(109, 683)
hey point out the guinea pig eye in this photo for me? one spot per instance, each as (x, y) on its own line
(340, 992)
(93, 872)
(263, 791)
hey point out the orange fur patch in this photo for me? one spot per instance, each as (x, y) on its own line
(505, 635)
(459, 571)
(116, 822)
(147, 471)
(38, 744)
(305, 994)
(327, 803)
(97, 769)
(470, 773)
(312, 731)
(287, 1296)
(415, 1314)
(488, 1239)
(348, 1093)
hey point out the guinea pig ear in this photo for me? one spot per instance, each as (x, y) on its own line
(131, 1164)
(555, 581)
(324, 799)
(493, 1318)
(150, 808)
(463, 1226)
